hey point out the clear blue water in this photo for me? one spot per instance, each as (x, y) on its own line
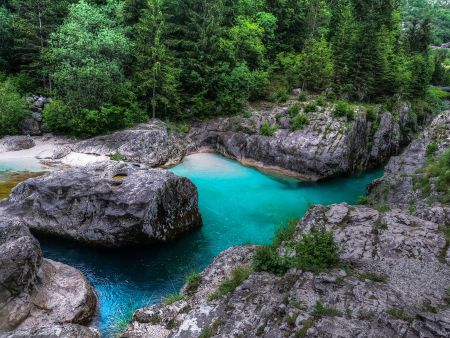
(239, 205)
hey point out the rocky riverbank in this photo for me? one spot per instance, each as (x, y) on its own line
(40, 296)
(393, 278)
(325, 146)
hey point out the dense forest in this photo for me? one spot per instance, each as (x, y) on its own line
(112, 63)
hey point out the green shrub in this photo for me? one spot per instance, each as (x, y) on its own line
(267, 129)
(116, 157)
(372, 277)
(399, 314)
(316, 251)
(13, 109)
(321, 100)
(299, 121)
(310, 107)
(363, 200)
(59, 118)
(284, 233)
(321, 311)
(294, 109)
(170, 299)
(438, 170)
(280, 95)
(432, 148)
(343, 108)
(302, 97)
(371, 114)
(238, 276)
(193, 280)
(266, 259)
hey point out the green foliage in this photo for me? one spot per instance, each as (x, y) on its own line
(322, 311)
(399, 314)
(317, 67)
(342, 109)
(13, 109)
(372, 277)
(294, 110)
(432, 148)
(238, 276)
(210, 331)
(267, 259)
(280, 95)
(59, 118)
(193, 280)
(302, 97)
(316, 251)
(116, 157)
(170, 299)
(371, 114)
(310, 107)
(86, 56)
(436, 176)
(267, 129)
(363, 200)
(299, 121)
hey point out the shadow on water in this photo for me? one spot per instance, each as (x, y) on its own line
(239, 205)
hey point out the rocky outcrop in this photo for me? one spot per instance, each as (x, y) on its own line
(326, 147)
(33, 125)
(39, 295)
(394, 284)
(16, 143)
(110, 204)
(397, 188)
(151, 144)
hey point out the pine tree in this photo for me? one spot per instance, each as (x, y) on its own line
(156, 74)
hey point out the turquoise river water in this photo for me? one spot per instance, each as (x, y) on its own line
(239, 205)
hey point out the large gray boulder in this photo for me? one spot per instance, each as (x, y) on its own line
(395, 285)
(38, 294)
(110, 204)
(16, 143)
(151, 144)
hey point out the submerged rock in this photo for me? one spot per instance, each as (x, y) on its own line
(16, 143)
(36, 294)
(110, 204)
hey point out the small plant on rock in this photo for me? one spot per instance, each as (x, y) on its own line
(170, 299)
(299, 121)
(193, 280)
(293, 110)
(268, 130)
(310, 107)
(344, 109)
(238, 275)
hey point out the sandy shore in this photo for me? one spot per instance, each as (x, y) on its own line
(40, 157)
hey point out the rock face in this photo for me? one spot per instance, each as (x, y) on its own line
(15, 143)
(397, 189)
(109, 204)
(395, 280)
(38, 295)
(326, 147)
(151, 144)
